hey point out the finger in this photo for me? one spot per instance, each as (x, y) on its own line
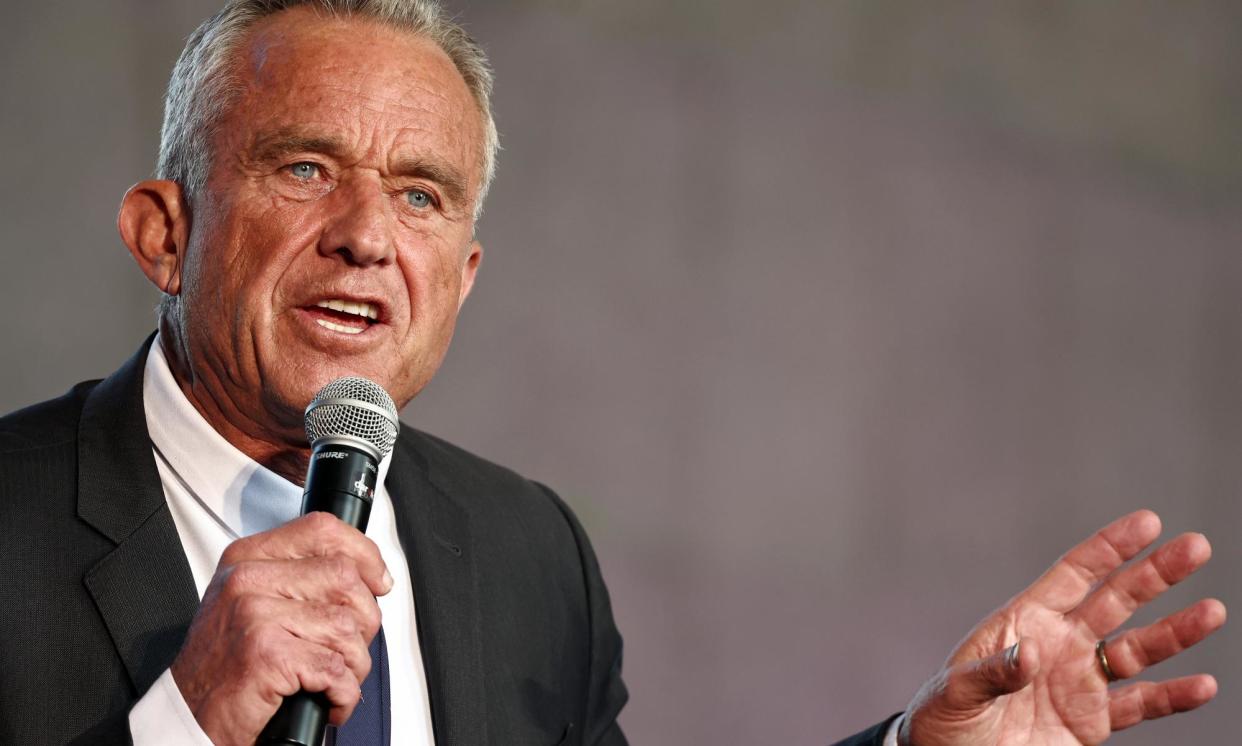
(315, 534)
(328, 580)
(1137, 649)
(1067, 582)
(972, 686)
(327, 625)
(323, 670)
(1114, 601)
(290, 664)
(1148, 700)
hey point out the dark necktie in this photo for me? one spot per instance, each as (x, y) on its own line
(371, 723)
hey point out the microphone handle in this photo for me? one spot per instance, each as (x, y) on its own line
(341, 481)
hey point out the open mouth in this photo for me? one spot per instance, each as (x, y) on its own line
(344, 316)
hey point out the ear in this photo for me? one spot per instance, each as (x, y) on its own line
(469, 270)
(154, 223)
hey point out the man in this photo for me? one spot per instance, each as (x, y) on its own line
(322, 165)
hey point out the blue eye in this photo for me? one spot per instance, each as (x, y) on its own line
(418, 198)
(304, 171)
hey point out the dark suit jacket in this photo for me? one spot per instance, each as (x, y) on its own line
(514, 621)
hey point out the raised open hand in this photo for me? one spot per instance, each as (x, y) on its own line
(1030, 674)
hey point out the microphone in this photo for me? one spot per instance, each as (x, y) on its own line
(351, 425)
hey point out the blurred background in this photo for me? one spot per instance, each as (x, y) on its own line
(836, 322)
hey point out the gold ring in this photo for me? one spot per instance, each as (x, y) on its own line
(1103, 659)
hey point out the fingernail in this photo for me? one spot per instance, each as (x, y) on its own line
(387, 581)
(1011, 655)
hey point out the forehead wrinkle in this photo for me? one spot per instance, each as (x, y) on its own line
(420, 95)
(289, 140)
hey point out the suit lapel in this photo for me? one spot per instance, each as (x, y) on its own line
(145, 591)
(435, 533)
(143, 588)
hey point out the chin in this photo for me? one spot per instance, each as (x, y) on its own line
(293, 386)
(302, 387)
(290, 392)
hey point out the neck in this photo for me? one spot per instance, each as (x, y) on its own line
(283, 450)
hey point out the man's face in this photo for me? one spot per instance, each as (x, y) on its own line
(334, 236)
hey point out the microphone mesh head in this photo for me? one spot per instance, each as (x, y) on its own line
(353, 408)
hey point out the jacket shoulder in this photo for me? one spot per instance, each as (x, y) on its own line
(48, 423)
(515, 507)
(544, 602)
(469, 473)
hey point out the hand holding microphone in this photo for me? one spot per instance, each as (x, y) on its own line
(290, 612)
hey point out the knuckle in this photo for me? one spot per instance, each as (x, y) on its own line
(1129, 653)
(231, 553)
(239, 550)
(342, 622)
(343, 570)
(282, 674)
(323, 525)
(347, 697)
(263, 645)
(333, 664)
(238, 579)
(1121, 598)
(344, 698)
(249, 608)
(363, 670)
(1164, 570)
(371, 618)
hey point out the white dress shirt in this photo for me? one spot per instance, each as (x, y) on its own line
(890, 738)
(217, 494)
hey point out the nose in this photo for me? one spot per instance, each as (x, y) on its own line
(360, 230)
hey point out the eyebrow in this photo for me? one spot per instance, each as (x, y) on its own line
(284, 143)
(447, 177)
(279, 144)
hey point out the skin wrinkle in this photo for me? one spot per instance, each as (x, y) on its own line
(263, 40)
(269, 149)
(268, 45)
(267, 244)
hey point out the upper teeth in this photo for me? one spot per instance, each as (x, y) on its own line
(344, 306)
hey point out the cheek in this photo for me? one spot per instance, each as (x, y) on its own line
(266, 254)
(435, 277)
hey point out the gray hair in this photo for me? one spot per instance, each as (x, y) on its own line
(203, 84)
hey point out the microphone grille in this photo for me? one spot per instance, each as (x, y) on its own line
(353, 409)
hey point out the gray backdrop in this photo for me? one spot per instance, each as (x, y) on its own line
(836, 322)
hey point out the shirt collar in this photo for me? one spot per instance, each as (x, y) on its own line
(244, 495)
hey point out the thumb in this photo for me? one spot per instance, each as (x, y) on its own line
(974, 685)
